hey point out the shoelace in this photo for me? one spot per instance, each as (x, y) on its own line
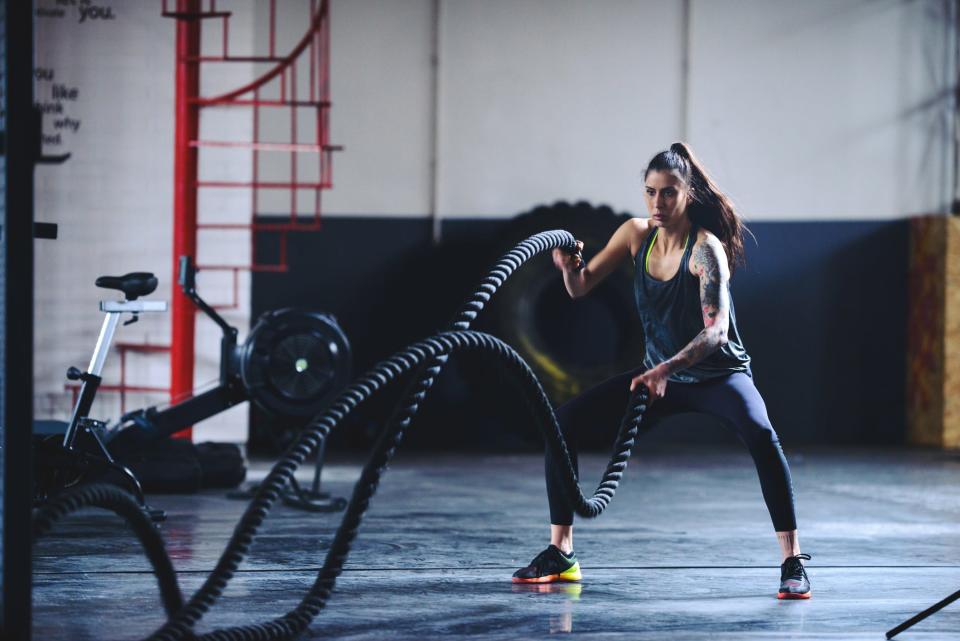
(794, 568)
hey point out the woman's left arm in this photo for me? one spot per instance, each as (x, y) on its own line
(709, 264)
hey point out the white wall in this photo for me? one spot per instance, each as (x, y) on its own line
(547, 100)
(113, 200)
(825, 109)
(380, 88)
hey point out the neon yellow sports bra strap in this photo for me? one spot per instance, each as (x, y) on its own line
(646, 259)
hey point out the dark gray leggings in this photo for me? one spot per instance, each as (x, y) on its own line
(733, 399)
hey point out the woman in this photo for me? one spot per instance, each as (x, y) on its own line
(694, 362)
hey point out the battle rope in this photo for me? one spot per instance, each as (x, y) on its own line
(122, 503)
(428, 358)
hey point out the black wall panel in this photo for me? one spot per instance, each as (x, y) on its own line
(821, 307)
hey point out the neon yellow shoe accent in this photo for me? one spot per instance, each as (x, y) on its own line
(572, 573)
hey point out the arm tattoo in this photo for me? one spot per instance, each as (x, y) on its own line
(710, 266)
(707, 264)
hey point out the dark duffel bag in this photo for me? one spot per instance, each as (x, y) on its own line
(222, 465)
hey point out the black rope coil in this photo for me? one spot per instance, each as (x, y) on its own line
(427, 358)
(121, 503)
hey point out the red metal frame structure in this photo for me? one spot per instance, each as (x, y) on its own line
(186, 128)
(279, 82)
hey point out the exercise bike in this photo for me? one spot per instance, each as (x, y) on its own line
(63, 461)
(292, 365)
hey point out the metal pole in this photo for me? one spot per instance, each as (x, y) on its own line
(21, 126)
(436, 223)
(186, 128)
(685, 18)
(107, 330)
(917, 618)
(953, 71)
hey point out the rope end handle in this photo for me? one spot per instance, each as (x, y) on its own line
(640, 393)
(574, 250)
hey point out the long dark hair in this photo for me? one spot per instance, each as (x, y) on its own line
(709, 207)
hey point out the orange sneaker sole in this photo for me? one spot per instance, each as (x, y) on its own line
(550, 578)
(789, 596)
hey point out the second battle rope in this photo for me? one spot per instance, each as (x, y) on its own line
(121, 503)
(426, 359)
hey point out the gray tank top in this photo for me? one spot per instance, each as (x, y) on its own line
(671, 317)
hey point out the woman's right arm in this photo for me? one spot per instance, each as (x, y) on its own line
(624, 243)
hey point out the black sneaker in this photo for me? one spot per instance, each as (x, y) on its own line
(794, 583)
(550, 566)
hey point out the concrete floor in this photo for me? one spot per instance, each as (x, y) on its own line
(686, 551)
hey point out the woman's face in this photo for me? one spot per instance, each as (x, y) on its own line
(666, 197)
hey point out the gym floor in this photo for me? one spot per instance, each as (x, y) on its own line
(686, 551)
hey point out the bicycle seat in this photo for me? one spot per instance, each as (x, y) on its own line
(133, 285)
